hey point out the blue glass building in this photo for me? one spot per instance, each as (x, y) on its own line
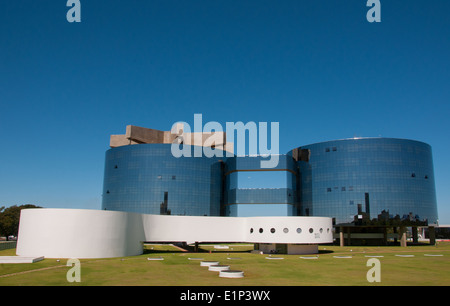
(147, 178)
(377, 178)
(373, 178)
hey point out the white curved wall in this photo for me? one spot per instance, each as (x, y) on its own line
(292, 230)
(82, 233)
(79, 233)
(193, 228)
(238, 229)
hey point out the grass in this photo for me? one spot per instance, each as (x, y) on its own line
(177, 270)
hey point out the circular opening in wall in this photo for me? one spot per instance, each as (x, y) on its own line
(251, 230)
(299, 230)
(321, 230)
(272, 230)
(311, 230)
(261, 230)
(328, 230)
(286, 230)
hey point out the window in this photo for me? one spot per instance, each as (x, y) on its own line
(342, 188)
(259, 179)
(327, 150)
(286, 230)
(328, 189)
(251, 230)
(311, 230)
(334, 149)
(413, 175)
(350, 188)
(299, 230)
(272, 230)
(159, 177)
(321, 230)
(174, 177)
(261, 230)
(426, 177)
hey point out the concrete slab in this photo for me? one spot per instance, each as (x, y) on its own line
(20, 259)
(231, 274)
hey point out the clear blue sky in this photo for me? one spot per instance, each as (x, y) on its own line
(319, 68)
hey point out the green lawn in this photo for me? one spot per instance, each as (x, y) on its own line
(177, 270)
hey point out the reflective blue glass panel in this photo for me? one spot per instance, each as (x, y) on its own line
(147, 178)
(373, 176)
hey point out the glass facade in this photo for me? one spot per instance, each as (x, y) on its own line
(147, 178)
(243, 199)
(348, 180)
(373, 178)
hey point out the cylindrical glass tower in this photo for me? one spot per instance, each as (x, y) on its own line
(372, 177)
(147, 178)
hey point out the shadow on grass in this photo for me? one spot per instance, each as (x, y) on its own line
(152, 248)
(146, 251)
(325, 251)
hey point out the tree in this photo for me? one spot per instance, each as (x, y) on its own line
(9, 219)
